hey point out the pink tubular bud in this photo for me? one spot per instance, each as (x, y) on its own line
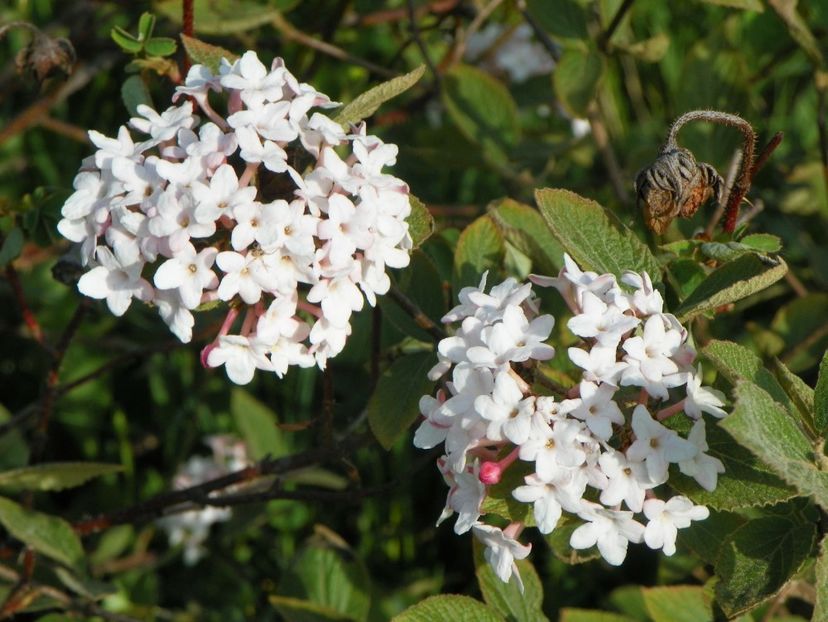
(205, 353)
(490, 473)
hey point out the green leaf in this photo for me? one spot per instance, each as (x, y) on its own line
(205, 53)
(798, 29)
(134, 92)
(591, 615)
(258, 426)
(329, 578)
(480, 248)
(585, 231)
(736, 362)
(55, 475)
(506, 598)
(733, 281)
(685, 275)
(746, 482)
(12, 246)
(706, 537)
(800, 394)
(678, 603)
(650, 50)
(629, 600)
(46, 534)
(763, 426)
(483, 110)
(563, 18)
(146, 24)
(748, 5)
(764, 242)
(821, 396)
(576, 79)
(802, 325)
(126, 41)
(420, 222)
(450, 607)
(298, 610)
(367, 103)
(759, 558)
(821, 584)
(524, 227)
(160, 46)
(224, 17)
(393, 407)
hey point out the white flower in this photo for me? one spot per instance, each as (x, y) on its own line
(501, 551)
(705, 469)
(240, 356)
(190, 273)
(626, 480)
(667, 518)
(553, 447)
(514, 339)
(163, 126)
(175, 314)
(611, 530)
(238, 277)
(551, 497)
(651, 351)
(466, 493)
(596, 408)
(606, 323)
(116, 283)
(222, 195)
(599, 364)
(253, 150)
(657, 445)
(702, 399)
(255, 82)
(502, 407)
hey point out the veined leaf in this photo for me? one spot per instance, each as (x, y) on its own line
(525, 228)
(367, 103)
(480, 248)
(507, 597)
(821, 396)
(420, 221)
(205, 53)
(50, 535)
(584, 230)
(258, 425)
(54, 475)
(576, 79)
(449, 607)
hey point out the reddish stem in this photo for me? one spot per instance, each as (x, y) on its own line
(28, 317)
(187, 28)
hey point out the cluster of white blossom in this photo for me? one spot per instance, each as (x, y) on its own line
(295, 213)
(604, 435)
(512, 50)
(190, 529)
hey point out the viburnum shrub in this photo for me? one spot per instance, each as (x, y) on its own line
(599, 452)
(267, 205)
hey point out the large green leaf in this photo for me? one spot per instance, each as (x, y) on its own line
(576, 79)
(449, 607)
(763, 426)
(524, 227)
(591, 615)
(420, 222)
(800, 394)
(205, 53)
(821, 396)
(54, 475)
(733, 281)
(706, 537)
(483, 110)
(586, 232)
(134, 92)
(507, 597)
(367, 103)
(393, 407)
(299, 610)
(563, 18)
(46, 534)
(678, 603)
(258, 426)
(746, 482)
(331, 579)
(736, 362)
(759, 558)
(480, 248)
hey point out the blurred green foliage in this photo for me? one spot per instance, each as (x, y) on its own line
(468, 136)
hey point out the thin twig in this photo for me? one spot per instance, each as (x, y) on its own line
(417, 314)
(414, 28)
(291, 33)
(386, 16)
(604, 37)
(539, 31)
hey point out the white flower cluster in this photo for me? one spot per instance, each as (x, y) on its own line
(598, 451)
(301, 231)
(190, 529)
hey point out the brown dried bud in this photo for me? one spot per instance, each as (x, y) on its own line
(674, 185)
(45, 56)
